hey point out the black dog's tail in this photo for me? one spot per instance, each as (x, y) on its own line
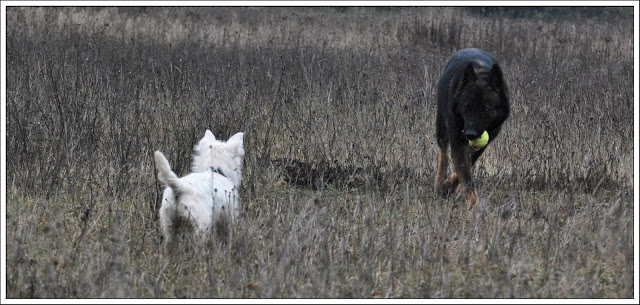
(166, 175)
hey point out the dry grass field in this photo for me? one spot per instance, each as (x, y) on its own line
(338, 110)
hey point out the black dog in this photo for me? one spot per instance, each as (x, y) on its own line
(472, 98)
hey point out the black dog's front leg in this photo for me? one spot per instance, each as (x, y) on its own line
(462, 162)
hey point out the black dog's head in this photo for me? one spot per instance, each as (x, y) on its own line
(481, 100)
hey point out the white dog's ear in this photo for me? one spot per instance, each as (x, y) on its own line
(236, 144)
(209, 134)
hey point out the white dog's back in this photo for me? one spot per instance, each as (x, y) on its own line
(205, 196)
(202, 199)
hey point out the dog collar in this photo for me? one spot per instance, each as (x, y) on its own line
(219, 171)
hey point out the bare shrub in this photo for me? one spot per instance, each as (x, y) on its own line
(338, 110)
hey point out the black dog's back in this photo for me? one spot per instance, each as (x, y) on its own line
(472, 99)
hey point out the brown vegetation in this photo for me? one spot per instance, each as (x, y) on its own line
(338, 110)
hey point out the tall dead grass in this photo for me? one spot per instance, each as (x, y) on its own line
(337, 106)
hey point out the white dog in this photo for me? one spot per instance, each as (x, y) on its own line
(207, 196)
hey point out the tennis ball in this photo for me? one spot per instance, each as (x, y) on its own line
(480, 142)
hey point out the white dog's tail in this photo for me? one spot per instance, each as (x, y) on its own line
(165, 174)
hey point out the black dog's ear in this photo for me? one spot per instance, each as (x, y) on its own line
(469, 76)
(495, 77)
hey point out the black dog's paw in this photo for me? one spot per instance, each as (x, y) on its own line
(446, 190)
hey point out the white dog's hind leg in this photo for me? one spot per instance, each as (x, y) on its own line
(167, 217)
(202, 233)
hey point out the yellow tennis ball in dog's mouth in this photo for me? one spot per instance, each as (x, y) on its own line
(480, 142)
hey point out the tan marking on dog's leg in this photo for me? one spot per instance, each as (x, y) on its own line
(450, 183)
(443, 164)
(471, 197)
(459, 189)
(448, 186)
